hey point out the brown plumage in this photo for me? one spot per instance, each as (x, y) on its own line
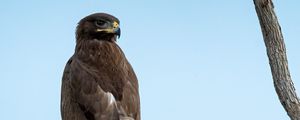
(98, 82)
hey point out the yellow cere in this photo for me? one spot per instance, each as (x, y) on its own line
(115, 24)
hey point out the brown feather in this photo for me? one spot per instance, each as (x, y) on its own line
(98, 81)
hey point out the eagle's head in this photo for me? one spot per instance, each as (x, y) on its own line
(100, 26)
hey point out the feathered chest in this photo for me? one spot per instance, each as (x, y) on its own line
(104, 62)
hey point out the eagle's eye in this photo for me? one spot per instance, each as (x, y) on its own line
(100, 23)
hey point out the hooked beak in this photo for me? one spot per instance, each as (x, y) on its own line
(118, 32)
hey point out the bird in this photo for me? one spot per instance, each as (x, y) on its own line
(98, 82)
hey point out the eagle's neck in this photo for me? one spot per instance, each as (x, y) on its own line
(99, 52)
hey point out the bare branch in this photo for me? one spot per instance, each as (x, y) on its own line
(277, 57)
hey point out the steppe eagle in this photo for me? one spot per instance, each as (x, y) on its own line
(98, 82)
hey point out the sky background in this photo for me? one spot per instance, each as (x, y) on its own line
(195, 59)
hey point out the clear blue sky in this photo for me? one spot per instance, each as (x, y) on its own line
(195, 59)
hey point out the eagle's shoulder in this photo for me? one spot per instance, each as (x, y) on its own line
(67, 69)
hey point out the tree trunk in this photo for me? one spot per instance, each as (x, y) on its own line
(277, 57)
